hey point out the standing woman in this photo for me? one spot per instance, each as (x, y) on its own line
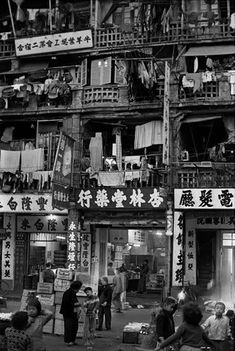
(68, 309)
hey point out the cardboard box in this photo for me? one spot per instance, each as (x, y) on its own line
(46, 299)
(61, 284)
(64, 273)
(49, 327)
(45, 288)
(130, 337)
(58, 297)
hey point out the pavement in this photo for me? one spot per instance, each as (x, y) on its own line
(140, 311)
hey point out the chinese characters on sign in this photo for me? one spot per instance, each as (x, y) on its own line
(17, 203)
(105, 198)
(205, 198)
(73, 235)
(53, 43)
(8, 248)
(190, 255)
(166, 117)
(42, 224)
(178, 254)
(216, 222)
(60, 196)
(85, 252)
(63, 160)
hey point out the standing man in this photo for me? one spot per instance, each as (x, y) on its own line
(117, 290)
(69, 310)
(105, 297)
(48, 275)
(143, 277)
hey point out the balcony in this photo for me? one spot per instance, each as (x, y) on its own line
(7, 48)
(218, 90)
(102, 95)
(201, 175)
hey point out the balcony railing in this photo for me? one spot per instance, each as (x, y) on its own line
(100, 95)
(218, 175)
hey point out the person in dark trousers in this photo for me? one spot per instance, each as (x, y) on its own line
(105, 299)
(191, 335)
(48, 275)
(144, 270)
(16, 337)
(165, 325)
(90, 306)
(69, 310)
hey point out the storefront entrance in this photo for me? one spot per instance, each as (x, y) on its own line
(227, 276)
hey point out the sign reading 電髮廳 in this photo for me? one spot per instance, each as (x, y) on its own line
(110, 198)
(214, 198)
(54, 42)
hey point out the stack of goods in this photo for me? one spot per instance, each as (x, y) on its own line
(46, 296)
(60, 258)
(26, 296)
(132, 332)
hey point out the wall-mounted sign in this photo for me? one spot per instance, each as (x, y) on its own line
(42, 224)
(202, 199)
(60, 196)
(166, 117)
(27, 203)
(85, 252)
(190, 254)
(54, 43)
(178, 254)
(218, 222)
(111, 198)
(72, 241)
(63, 161)
(8, 248)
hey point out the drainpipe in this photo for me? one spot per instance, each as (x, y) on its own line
(228, 9)
(96, 13)
(12, 20)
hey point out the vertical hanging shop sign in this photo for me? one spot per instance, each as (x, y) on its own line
(63, 161)
(72, 245)
(85, 252)
(178, 256)
(190, 256)
(8, 248)
(166, 117)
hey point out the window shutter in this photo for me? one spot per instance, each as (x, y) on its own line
(101, 71)
(84, 72)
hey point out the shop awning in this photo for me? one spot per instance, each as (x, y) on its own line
(215, 50)
(29, 68)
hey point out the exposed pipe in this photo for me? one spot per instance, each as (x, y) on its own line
(12, 20)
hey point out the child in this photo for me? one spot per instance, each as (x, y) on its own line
(165, 325)
(37, 319)
(217, 327)
(91, 306)
(17, 339)
(105, 298)
(190, 333)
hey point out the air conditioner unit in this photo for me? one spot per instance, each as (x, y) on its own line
(184, 155)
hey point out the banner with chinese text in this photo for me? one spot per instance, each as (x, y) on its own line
(42, 224)
(178, 255)
(27, 203)
(63, 161)
(129, 198)
(73, 242)
(166, 117)
(85, 252)
(8, 248)
(54, 42)
(60, 196)
(190, 252)
(215, 198)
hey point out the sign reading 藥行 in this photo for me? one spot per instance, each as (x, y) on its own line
(54, 42)
(110, 198)
(214, 198)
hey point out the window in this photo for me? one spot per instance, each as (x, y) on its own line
(229, 239)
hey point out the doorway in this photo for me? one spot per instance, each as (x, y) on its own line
(227, 271)
(206, 258)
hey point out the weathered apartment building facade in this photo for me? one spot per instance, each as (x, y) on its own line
(153, 159)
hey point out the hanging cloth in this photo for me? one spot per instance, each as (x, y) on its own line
(19, 13)
(148, 134)
(117, 132)
(32, 160)
(9, 161)
(195, 65)
(96, 152)
(197, 78)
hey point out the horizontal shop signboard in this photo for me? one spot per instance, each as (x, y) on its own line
(60, 196)
(121, 198)
(212, 198)
(42, 224)
(54, 43)
(27, 203)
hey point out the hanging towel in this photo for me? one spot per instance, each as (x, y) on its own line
(7, 134)
(32, 160)
(9, 161)
(195, 65)
(197, 78)
(111, 178)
